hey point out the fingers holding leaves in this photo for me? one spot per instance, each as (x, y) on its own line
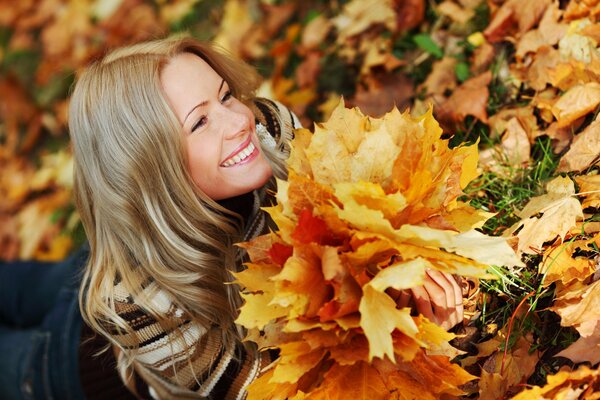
(439, 299)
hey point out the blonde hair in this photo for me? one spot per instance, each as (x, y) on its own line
(144, 217)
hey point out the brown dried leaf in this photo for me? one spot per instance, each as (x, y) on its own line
(576, 102)
(37, 231)
(409, 13)
(9, 239)
(15, 183)
(500, 375)
(538, 74)
(470, 98)
(560, 210)
(515, 143)
(455, 12)
(547, 34)
(308, 70)
(482, 58)
(525, 14)
(571, 73)
(561, 137)
(315, 32)
(566, 384)
(524, 115)
(378, 53)
(359, 15)
(173, 11)
(19, 113)
(579, 307)
(584, 151)
(442, 77)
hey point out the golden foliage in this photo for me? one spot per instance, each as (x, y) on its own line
(352, 226)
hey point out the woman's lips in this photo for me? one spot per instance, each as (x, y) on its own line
(244, 153)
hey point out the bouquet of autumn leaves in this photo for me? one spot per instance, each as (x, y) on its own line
(369, 205)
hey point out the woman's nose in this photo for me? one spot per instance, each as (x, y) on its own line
(234, 123)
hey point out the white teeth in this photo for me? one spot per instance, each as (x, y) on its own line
(241, 155)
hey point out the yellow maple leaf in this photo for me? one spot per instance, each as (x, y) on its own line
(257, 277)
(258, 310)
(379, 317)
(295, 359)
(563, 385)
(560, 264)
(589, 188)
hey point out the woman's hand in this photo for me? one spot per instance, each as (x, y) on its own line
(439, 299)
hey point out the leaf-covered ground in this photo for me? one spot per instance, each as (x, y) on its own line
(519, 78)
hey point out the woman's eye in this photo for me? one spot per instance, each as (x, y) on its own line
(201, 122)
(226, 96)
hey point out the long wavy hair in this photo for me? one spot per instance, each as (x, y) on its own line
(144, 217)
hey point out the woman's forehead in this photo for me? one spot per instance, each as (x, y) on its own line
(187, 80)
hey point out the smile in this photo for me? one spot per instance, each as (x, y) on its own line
(245, 154)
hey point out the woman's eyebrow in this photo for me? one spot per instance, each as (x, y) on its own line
(202, 103)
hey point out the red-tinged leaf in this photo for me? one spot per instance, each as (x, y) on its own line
(347, 292)
(279, 253)
(311, 229)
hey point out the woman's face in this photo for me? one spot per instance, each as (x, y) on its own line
(224, 155)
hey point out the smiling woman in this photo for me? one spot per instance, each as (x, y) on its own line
(170, 173)
(174, 157)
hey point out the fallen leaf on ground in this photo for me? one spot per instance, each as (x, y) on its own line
(565, 385)
(584, 349)
(548, 33)
(584, 150)
(576, 102)
(560, 262)
(500, 376)
(442, 76)
(515, 143)
(359, 15)
(589, 189)
(580, 308)
(470, 98)
(560, 210)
